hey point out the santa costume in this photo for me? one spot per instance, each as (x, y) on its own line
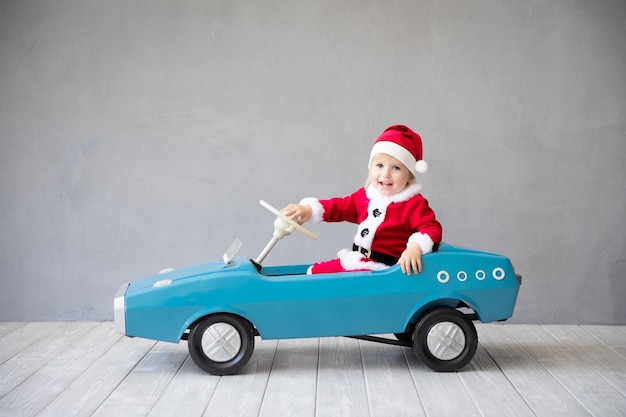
(387, 224)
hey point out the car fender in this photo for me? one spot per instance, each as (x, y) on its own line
(426, 305)
(205, 312)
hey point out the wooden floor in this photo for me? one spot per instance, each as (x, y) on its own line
(86, 369)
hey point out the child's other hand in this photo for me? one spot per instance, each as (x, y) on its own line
(411, 259)
(299, 212)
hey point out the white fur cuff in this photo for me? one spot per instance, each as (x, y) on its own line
(351, 261)
(318, 210)
(422, 239)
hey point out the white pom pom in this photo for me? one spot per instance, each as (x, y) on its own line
(421, 166)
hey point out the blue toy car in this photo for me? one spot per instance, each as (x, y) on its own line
(220, 307)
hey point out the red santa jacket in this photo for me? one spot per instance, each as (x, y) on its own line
(386, 223)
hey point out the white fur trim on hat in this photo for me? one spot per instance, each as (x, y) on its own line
(421, 166)
(401, 154)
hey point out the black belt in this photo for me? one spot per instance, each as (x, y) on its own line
(376, 256)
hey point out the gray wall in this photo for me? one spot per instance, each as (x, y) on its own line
(138, 135)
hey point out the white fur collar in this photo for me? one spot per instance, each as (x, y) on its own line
(409, 191)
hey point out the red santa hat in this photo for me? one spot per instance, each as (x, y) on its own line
(403, 144)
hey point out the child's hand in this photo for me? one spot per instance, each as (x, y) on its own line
(299, 212)
(411, 259)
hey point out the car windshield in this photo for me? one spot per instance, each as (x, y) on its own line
(232, 251)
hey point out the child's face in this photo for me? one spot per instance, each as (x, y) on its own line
(388, 175)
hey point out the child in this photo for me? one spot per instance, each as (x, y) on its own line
(396, 225)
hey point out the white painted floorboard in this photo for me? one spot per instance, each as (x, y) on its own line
(86, 369)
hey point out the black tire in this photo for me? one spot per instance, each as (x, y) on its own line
(445, 340)
(221, 344)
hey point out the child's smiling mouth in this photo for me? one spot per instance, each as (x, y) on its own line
(385, 187)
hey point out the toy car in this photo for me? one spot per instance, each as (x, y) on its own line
(221, 307)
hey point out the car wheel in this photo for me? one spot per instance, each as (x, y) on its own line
(445, 340)
(221, 344)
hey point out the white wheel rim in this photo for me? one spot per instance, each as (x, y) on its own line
(221, 342)
(445, 340)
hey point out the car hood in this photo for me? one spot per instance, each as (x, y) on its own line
(171, 276)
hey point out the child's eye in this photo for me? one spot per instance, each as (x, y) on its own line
(379, 165)
(396, 168)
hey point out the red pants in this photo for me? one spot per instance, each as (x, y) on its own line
(348, 261)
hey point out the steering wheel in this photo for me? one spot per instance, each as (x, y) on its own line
(289, 220)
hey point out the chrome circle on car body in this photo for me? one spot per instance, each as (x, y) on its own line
(445, 340)
(443, 276)
(221, 342)
(499, 274)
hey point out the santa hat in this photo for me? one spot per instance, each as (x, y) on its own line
(403, 144)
